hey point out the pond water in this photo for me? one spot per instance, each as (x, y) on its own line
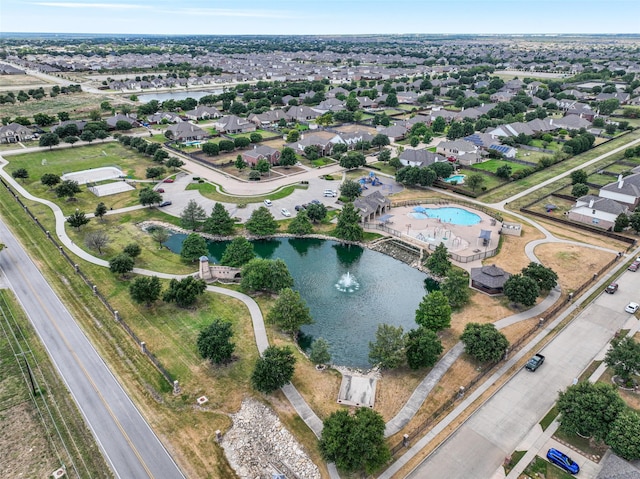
(176, 95)
(349, 291)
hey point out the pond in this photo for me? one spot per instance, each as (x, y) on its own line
(176, 95)
(349, 291)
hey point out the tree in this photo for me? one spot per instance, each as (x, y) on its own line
(133, 249)
(193, 247)
(319, 352)
(101, 210)
(350, 189)
(434, 312)
(624, 358)
(214, 342)
(97, 240)
(265, 275)
(348, 227)
(311, 152)
(255, 137)
(521, 289)
(121, 264)
(77, 219)
(238, 253)
(442, 169)
(438, 262)
(50, 180)
(579, 189)
(300, 225)
(355, 442)
(148, 196)
(293, 136)
(274, 369)
(219, 221)
(159, 234)
(395, 163)
(211, 149)
(71, 140)
(545, 277)
(474, 181)
(49, 139)
(263, 165)
(289, 312)
(261, 222)
(422, 348)
(484, 342)
(184, 292)
(353, 159)
(456, 288)
(67, 189)
(20, 174)
(145, 290)
(634, 221)
(622, 222)
(316, 212)
(155, 172)
(438, 125)
(392, 100)
(192, 216)
(504, 172)
(380, 140)
(288, 157)
(384, 156)
(578, 176)
(624, 435)
(589, 409)
(388, 349)
(240, 164)
(172, 162)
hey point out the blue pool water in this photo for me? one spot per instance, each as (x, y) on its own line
(449, 214)
(459, 179)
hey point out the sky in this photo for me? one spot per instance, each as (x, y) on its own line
(302, 17)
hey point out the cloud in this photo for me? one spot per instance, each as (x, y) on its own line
(103, 6)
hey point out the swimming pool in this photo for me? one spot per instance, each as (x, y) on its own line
(449, 214)
(459, 179)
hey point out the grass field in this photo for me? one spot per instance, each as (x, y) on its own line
(493, 165)
(78, 105)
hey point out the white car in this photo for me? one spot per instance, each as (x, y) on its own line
(285, 212)
(267, 203)
(632, 308)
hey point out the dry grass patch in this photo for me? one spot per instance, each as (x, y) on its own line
(394, 388)
(582, 236)
(631, 398)
(512, 257)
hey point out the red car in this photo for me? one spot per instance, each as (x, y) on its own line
(169, 180)
(634, 266)
(160, 190)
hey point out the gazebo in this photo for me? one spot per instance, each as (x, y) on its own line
(489, 279)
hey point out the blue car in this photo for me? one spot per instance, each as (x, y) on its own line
(560, 459)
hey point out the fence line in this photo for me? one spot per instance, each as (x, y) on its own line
(95, 291)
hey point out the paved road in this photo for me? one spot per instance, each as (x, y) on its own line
(501, 424)
(129, 445)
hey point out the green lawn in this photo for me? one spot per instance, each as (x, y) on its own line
(266, 135)
(617, 169)
(600, 179)
(493, 165)
(215, 192)
(542, 468)
(554, 145)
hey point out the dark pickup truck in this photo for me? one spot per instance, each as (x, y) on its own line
(535, 362)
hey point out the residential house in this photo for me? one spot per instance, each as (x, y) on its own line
(185, 131)
(626, 190)
(465, 152)
(260, 152)
(353, 138)
(394, 132)
(571, 122)
(14, 133)
(163, 117)
(268, 118)
(371, 206)
(596, 211)
(203, 112)
(330, 104)
(487, 142)
(614, 467)
(232, 124)
(421, 157)
(113, 120)
(489, 279)
(511, 130)
(324, 140)
(80, 124)
(301, 113)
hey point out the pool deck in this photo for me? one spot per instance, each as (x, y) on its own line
(469, 243)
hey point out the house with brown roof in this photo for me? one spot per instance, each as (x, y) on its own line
(261, 152)
(489, 279)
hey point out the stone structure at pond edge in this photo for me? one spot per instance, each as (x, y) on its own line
(217, 272)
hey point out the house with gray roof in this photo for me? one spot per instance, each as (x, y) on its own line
(185, 131)
(203, 112)
(597, 211)
(394, 132)
(301, 113)
(465, 152)
(614, 467)
(131, 119)
(163, 117)
(268, 118)
(489, 279)
(14, 133)
(421, 157)
(261, 152)
(625, 190)
(232, 124)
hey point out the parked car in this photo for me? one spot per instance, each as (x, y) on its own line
(315, 202)
(300, 207)
(535, 362)
(160, 190)
(165, 203)
(634, 266)
(268, 203)
(632, 308)
(330, 193)
(169, 180)
(612, 288)
(562, 460)
(285, 212)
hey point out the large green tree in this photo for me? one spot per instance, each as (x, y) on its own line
(348, 227)
(192, 215)
(77, 219)
(148, 196)
(300, 225)
(265, 275)
(353, 159)
(261, 222)
(624, 357)
(50, 180)
(589, 409)
(316, 212)
(219, 221)
(193, 247)
(484, 342)
(456, 288)
(474, 181)
(624, 435)
(355, 442)
(434, 311)
(521, 289)
(121, 264)
(422, 348)
(545, 278)
(184, 292)
(214, 341)
(145, 289)
(288, 157)
(387, 350)
(289, 312)
(274, 369)
(438, 261)
(319, 351)
(68, 189)
(350, 189)
(238, 253)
